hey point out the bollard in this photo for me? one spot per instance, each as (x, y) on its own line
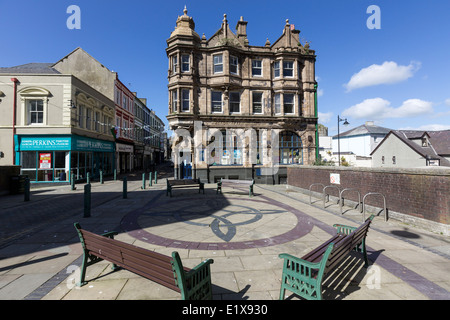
(88, 178)
(72, 181)
(124, 193)
(115, 174)
(156, 177)
(87, 201)
(143, 181)
(150, 179)
(27, 189)
(101, 177)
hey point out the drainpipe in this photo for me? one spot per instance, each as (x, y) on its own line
(15, 80)
(316, 114)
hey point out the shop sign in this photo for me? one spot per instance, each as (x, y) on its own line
(86, 144)
(124, 148)
(44, 143)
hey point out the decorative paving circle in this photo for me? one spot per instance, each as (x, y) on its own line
(216, 223)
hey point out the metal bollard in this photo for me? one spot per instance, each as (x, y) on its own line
(150, 178)
(124, 193)
(101, 177)
(72, 181)
(27, 190)
(115, 174)
(156, 177)
(143, 181)
(87, 201)
(88, 178)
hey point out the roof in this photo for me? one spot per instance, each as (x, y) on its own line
(30, 68)
(366, 129)
(440, 138)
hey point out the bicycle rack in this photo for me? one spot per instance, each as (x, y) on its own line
(342, 199)
(314, 184)
(384, 200)
(328, 194)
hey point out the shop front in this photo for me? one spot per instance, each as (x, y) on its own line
(54, 158)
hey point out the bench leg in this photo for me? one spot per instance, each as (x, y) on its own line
(83, 272)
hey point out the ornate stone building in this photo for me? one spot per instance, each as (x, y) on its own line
(239, 110)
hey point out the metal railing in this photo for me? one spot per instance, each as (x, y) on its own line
(341, 199)
(310, 187)
(327, 195)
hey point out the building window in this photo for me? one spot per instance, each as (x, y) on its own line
(290, 148)
(81, 116)
(288, 68)
(35, 111)
(235, 102)
(174, 64)
(256, 68)
(277, 103)
(276, 69)
(174, 100)
(257, 102)
(216, 101)
(185, 63)
(382, 160)
(218, 63)
(288, 103)
(185, 100)
(124, 105)
(394, 161)
(234, 65)
(88, 118)
(97, 121)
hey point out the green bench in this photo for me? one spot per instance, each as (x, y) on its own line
(236, 183)
(193, 284)
(303, 276)
(184, 183)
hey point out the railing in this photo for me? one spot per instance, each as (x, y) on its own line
(314, 184)
(327, 195)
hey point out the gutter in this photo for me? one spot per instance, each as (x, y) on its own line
(15, 80)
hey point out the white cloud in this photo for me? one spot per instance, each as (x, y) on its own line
(368, 109)
(429, 127)
(320, 92)
(379, 108)
(447, 102)
(325, 117)
(387, 73)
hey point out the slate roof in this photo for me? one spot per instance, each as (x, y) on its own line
(30, 68)
(365, 129)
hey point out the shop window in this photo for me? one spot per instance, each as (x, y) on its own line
(291, 151)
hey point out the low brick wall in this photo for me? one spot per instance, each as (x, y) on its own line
(422, 193)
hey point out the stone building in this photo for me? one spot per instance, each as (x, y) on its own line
(240, 111)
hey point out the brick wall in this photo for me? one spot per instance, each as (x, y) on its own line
(423, 193)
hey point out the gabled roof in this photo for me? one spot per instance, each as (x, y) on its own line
(31, 68)
(442, 138)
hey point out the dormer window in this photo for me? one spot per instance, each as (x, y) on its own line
(424, 142)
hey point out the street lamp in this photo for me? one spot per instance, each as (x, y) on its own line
(346, 123)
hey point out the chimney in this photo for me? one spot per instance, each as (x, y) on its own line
(241, 29)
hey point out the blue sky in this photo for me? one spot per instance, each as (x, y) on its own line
(397, 76)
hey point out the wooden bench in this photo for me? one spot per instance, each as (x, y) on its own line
(193, 284)
(235, 183)
(304, 276)
(184, 183)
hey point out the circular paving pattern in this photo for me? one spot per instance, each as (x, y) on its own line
(216, 223)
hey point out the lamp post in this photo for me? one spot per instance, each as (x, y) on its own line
(346, 123)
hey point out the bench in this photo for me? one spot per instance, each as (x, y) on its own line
(235, 183)
(184, 183)
(304, 276)
(193, 284)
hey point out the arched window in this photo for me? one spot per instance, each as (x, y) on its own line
(34, 105)
(291, 151)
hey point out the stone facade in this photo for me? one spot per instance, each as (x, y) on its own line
(257, 97)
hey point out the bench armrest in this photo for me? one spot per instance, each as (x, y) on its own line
(343, 229)
(110, 234)
(301, 262)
